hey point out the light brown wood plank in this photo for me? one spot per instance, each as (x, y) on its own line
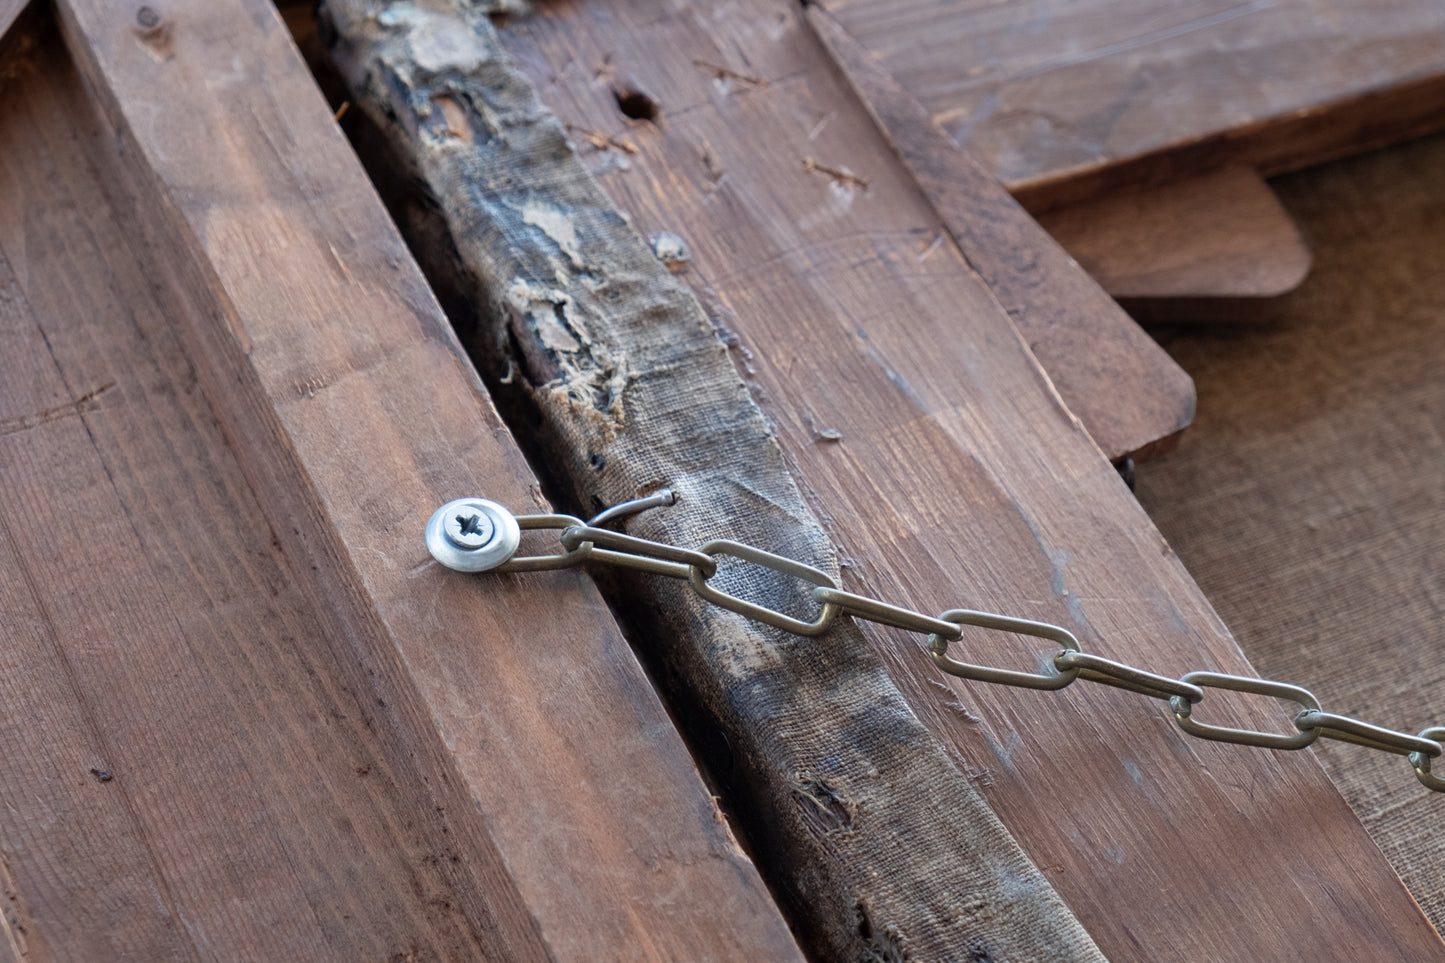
(959, 479)
(1220, 235)
(205, 659)
(1053, 97)
(1128, 393)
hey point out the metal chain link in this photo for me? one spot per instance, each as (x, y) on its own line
(589, 542)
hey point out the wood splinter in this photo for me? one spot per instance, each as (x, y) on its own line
(602, 141)
(727, 73)
(841, 176)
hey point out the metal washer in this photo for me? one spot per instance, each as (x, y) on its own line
(506, 536)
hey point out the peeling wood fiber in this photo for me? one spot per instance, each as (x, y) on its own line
(618, 383)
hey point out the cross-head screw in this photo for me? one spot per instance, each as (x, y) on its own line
(469, 528)
(472, 535)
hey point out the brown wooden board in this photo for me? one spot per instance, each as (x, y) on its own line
(1051, 96)
(1219, 235)
(950, 474)
(1216, 235)
(623, 386)
(1130, 396)
(244, 716)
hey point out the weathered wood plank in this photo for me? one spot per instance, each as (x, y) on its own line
(960, 479)
(529, 801)
(1128, 393)
(1066, 100)
(1220, 235)
(182, 775)
(622, 381)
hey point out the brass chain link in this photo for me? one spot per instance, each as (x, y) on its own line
(589, 542)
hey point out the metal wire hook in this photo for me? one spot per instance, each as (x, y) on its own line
(658, 499)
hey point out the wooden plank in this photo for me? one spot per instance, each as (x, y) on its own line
(257, 724)
(1128, 393)
(169, 721)
(1046, 93)
(617, 374)
(1218, 235)
(956, 477)
(1221, 235)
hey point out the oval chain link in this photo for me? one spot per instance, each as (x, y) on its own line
(586, 542)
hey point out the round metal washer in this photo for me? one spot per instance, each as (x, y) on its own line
(455, 529)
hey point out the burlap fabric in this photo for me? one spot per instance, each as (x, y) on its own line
(1308, 499)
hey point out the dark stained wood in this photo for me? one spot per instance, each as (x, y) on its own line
(1221, 235)
(244, 717)
(955, 477)
(1051, 97)
(1128, 393)
(623, 385)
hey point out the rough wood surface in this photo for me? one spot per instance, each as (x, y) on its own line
(948, 473)
(624, 387)
(1066, 100)
(1128, 393)
(243, 718)
(172, 728)
(1308, 500)
(1220, 235)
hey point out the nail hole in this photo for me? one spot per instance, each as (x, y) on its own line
(635, 104)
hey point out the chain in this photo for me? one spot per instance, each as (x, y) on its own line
(473, 534)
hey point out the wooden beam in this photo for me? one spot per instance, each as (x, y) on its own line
(1064, 101)
(951, 475)
(625, 386)
(1129, 394)
(544, 807)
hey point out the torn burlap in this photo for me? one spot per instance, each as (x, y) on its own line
(617, 384)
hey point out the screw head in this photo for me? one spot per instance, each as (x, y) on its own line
(472, 535)
(468, 529)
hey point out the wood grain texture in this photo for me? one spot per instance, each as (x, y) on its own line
(1046, 94)
(184, 776)
(1128, 393)
(256, 723)
(624, 386)
(1220, 235)
(955, 477)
